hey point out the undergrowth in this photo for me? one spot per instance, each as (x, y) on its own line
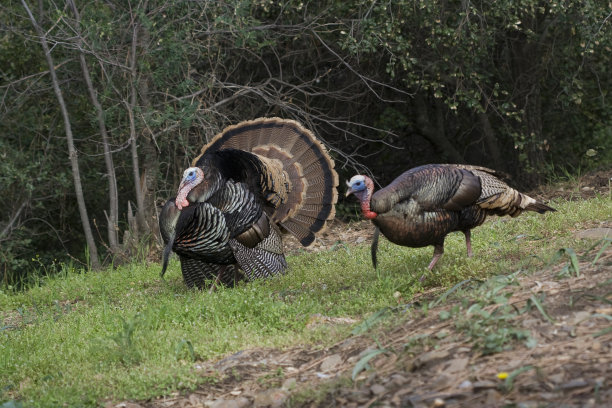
(125, 334)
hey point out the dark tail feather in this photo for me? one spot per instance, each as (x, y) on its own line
(374, 247)
(539, 207)
(167, 253)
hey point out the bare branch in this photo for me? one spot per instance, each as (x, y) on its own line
(72, 153)
(10, 225)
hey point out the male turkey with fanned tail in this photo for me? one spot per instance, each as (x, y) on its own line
(250, 182)
(421, 206)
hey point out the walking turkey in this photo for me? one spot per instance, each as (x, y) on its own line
(421, 206)
(250, 182)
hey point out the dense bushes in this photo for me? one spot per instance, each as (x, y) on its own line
(521, 86)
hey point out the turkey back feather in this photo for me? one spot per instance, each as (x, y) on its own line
(432, 186)
(296, 176)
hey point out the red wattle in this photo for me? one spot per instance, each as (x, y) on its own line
(365, 209)
(181, 204)
(370, 215)
(181, 198)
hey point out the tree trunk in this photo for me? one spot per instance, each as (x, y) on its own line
(150, 168)
(13, 219)
(74, 161)
(149, 150)
(531, 157)
(491, 142)
(435, 134)
(113, 214)
(526, 56)
(138, 184)
(146, 171)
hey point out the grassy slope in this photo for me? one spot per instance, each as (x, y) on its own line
(125, 334)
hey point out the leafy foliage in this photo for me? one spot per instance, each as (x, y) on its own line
(521, 86)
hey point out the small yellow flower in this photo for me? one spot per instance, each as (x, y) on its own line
(503, 375)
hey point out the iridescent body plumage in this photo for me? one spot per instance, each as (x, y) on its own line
(424, 204)
(250, 181)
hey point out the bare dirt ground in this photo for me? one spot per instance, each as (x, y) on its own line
(571, 365)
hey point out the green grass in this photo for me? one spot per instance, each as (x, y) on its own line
(84, 338)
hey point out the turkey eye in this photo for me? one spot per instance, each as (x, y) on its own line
(191, 174)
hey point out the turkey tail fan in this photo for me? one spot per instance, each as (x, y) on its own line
(501, 199)
(539, 207)
(374, 247)
(294, 159)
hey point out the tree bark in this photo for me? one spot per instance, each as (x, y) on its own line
(491, 142)
(435, 134)
(138, 184)
(526, 73)
(145, 172)
(13, 219)
(72, 153)
(113, 214)
(149, 151)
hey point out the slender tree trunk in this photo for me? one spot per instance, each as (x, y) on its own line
(491, 142)
(113, 214)
(151, 168)
(527, 76)
(435, 133)
(149, 151)
(13, 219)
(138, 183)
(533, 123)
(74, 160)
(527, 56)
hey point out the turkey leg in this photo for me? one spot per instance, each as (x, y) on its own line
(438, 251)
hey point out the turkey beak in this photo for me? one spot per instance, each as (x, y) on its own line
(350, 189)
(182, 185)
